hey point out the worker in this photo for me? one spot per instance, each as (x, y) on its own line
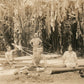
(36, 43)
(9, 55)
(70, 58)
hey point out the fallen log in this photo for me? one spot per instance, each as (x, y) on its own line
(21, 65)
(62, 70)
(7, 72)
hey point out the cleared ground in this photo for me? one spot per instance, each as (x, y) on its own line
(63, 78)
(41, 77)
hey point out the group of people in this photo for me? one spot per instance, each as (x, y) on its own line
(69, 57)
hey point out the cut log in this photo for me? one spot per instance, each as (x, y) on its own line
(21, 65)
(24, 58)
(7, 72)
(62, 70)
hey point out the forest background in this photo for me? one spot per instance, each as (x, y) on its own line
(57, 22)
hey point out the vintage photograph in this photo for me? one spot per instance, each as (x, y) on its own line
(41, 41)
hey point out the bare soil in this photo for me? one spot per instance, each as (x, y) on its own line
(42, 78)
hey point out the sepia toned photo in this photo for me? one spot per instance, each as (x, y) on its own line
(41, 41)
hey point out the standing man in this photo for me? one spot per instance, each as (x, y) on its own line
(36, 43)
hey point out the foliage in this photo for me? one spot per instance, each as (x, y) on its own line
(57, 18)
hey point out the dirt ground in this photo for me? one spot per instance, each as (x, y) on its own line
(42, 78)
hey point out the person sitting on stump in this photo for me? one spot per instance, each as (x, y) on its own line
(9, 55)
(70, 58)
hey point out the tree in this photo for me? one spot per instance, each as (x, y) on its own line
(51, 16)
